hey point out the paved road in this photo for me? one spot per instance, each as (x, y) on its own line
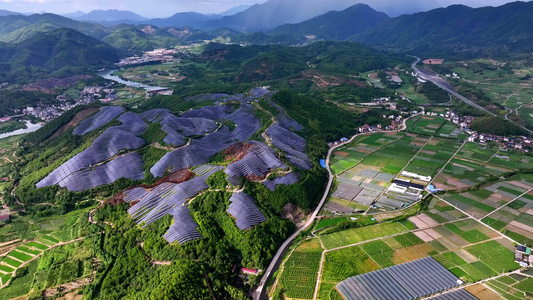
(259, 292)
(442, 83)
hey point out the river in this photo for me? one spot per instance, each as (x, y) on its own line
(30, 128)
(108, 75)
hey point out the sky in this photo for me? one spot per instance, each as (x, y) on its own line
(166, 8)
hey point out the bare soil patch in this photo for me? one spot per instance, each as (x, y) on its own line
(48, 85)
(341, 153)
(82, 115)
(293, 213)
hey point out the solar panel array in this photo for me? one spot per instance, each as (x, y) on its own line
(284, 120)
(259, 92)
(290, 143)
(184, 227)
(127, 166)
(461, 294)
(104, 116)
(410, 280)
(104, 147)
(209, 112)
(163, 199)
(178, 128)
(288, 179)
(244, 210)
(206, 171)
(423, 277)
(258, 162)
(200, 150)
(247, 123)
(135, 194)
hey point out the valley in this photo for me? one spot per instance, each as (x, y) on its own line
(341, 151)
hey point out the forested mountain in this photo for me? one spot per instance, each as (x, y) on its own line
(17, 28)
(192, 19)
(274, 13)
(4, 12)
(335, 25)
(62, 51)
(508, 26)
(110, 16)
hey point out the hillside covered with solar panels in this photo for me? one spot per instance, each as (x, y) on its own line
(159, 164)
(187, 184)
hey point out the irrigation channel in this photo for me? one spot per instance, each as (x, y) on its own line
(259, 292)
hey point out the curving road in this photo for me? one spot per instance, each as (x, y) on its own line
(442, 83)
(259, 292)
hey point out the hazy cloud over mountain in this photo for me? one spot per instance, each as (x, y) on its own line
(165, 8)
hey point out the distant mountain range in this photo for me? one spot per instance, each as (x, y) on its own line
(234, 10)
(111, 15)
(4, 12)
(507, 26)
(335, 25)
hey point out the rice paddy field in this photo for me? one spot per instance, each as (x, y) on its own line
(481, 202)
(350, 155)
(426, 125)
(504, 88)
(433, 156)
(463, 173)
(515, 218)
(464, 247)
(393, 158)
(512, 287)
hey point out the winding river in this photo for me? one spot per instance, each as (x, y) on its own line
(108, 75)
(30, 128)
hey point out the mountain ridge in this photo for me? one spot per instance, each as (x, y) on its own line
(335, 25)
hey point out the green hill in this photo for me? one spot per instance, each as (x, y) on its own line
(335, 25)
(61, 52)
(506, 26)
(17, 28)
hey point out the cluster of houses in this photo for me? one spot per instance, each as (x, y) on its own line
(520, 143)
(48, 113)
(157, 55)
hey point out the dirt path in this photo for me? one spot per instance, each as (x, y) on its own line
(91, 213)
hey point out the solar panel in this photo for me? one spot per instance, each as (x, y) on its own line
(195, 154)
(127, 166)
(244, 210)
(206, 171)
(247, 123)
(177, 128)
(184, 227)
(164, 198)
(288, 179)
(290, 143)
(284, 120)
(410, 280)
(135, 194)
(104, 116)
(461, 294)
(104, 147)
(209, 112)
(423, 277)
(258, 162)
